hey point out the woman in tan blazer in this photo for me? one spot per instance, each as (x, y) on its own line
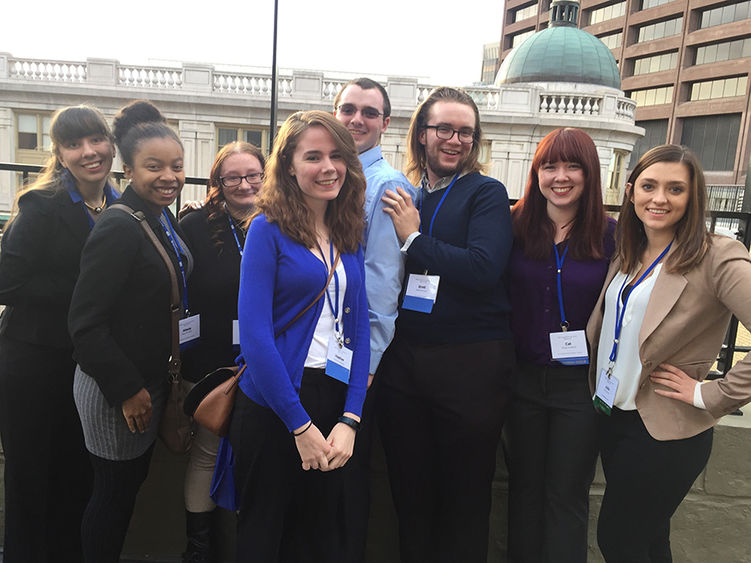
(654, 334)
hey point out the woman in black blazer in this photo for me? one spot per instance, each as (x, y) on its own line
(120, 322)
(47, 471)
(216, 237)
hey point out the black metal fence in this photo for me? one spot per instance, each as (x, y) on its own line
(725, 216)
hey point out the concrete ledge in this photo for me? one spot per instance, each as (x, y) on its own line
(713, 523)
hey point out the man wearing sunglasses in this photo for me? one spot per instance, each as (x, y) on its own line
(363, 106)
(445, 381)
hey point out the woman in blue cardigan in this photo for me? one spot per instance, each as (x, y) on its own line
(295, 420)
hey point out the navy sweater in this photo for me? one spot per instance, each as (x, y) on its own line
(469, 249)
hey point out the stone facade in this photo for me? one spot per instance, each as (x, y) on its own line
(200, 99)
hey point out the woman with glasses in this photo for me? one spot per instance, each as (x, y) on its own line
(216, 237)
(563, 242)
(47, 470)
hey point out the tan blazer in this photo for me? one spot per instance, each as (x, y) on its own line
(684, 325)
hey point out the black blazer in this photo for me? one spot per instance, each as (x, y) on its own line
(120, 312)
(212, 292)
(39, 262)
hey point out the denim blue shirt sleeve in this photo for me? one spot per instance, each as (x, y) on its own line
(384, 263)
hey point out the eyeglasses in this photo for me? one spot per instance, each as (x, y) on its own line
(235, 181)
(350, 110)
(446, 133)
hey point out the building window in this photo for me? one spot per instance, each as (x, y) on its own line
(524, 13)
(615, 171)
(257, 137)
(660, 29)
(725, 51)
(519, 38)
(714, 139)
(655, 133)
(722, 88)
(612, 41)
(652, 96)
(656, 63)
(726, 14)
(607, 13)
(33, 132)
(653, 3)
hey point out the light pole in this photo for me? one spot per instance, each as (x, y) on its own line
(272, 125)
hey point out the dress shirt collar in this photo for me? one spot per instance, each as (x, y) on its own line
(441, 184)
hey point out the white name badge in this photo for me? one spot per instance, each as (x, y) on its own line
(605, 394)
(235, 333)
(190, 329)
(338, 361)
(421, 293)
(569, 348)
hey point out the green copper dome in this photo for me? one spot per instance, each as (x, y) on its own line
(561, 53)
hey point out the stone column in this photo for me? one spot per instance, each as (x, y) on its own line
(7, 179)
(198, 140)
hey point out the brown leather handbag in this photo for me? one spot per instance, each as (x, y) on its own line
(210, 402)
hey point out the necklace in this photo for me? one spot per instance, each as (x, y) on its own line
(97, 208)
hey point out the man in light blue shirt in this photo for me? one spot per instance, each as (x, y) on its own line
(363, 106)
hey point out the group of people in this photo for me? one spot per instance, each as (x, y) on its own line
(358, 298)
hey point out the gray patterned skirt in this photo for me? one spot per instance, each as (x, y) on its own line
(104, 428)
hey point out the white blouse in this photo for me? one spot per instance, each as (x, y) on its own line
(325, 327)
(627, 367)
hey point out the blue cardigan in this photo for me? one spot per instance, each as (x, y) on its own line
(278, 278)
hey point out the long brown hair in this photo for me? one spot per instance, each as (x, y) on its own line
(281, 199)
(67, 124)
(416, 160)
(532, 226)
(692, 239)
(215, 199)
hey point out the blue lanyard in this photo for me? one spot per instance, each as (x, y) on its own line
(619, 313)
(234, 231)
(559, 266)
(445, 193)
(335, 305)
(170, 232)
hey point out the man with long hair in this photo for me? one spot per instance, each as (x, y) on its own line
(446, 379)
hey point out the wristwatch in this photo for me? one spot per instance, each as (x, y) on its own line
(351, 422)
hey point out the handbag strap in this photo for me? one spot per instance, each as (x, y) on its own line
(301, 313)
(174, 361)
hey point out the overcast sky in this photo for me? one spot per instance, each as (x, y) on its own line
(442, 45)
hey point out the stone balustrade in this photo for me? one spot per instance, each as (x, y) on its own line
(405, 92)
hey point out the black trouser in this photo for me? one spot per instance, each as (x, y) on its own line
(552, 452)
(357, 484)
(105, 522)
(646, 480)
(287, 514)
(47, 471)
(441, 410)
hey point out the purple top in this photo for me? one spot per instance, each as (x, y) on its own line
(534, 296)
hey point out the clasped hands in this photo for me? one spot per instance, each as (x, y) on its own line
(325, 454)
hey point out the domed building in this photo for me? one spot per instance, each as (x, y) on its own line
(561, 53)
(562, 76)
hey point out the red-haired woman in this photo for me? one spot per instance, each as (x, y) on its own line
(563, 242)
(216, 237)
(655, 333)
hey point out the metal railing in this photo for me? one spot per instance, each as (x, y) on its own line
(741, 222)
(29, 171)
